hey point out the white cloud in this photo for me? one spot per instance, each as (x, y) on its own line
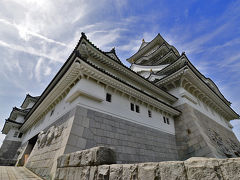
(47, 71)
(38, 69)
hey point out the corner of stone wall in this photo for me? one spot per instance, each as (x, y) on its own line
(51, 144)
(75, 141)
(198, 135)
(190, 139)
(8, 151)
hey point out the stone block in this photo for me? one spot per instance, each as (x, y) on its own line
(148, 171)
(71, 174)
(103, 172)
(230, 168)
(129, 172)
(81, 143)
(75, 159)
(116, 172)
(77, 130)
(61, 174)
(173, 170)
(63, 161)
(203, 168)
(93, 172)
(82, 173)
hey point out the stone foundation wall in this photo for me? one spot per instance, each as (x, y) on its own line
(8, 151)
(96, 163)
(50, 145)
(132, 142)
(199, 136)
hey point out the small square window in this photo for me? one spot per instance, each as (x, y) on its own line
(15, 134)
(137, 109)
(108, 97)
(149, 113)
(20, 135)
(167, 120)
(132, 106)
(164, 119)
(52, 112)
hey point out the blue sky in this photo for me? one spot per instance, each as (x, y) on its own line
(36, 37)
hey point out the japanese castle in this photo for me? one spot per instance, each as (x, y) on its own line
(160, 109)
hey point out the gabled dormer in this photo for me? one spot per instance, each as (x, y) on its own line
(29, 101)
(148, 48)
(15, 120)
(113, 55)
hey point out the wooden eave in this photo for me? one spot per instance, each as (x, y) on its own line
(16, 111)
(183, 58)
(202, 76)
(69, 79)
(124, 85)
(158, 39)
(114, 53)
(55, 80)
(101, 56)
(148, 57)
(8, 124)
(188, 69)
(163, 59)
(171, 66)
(29, 97)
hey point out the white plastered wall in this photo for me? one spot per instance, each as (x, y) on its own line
(197, 104)
(119, 107)
(10, 135)
(20, 119)
(30, 105)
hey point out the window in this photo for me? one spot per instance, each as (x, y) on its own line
(137, 109)
(15, 134)
(132, 106)
(108, 97)
(149, 113)
(20, 135)
(52, 112)
(167, 121)
(164, 119)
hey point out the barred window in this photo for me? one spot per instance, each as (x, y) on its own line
(137, 109)
(149, 113)
(132, 106)
(108, 97)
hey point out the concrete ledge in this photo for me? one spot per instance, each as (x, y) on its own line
(95, 163)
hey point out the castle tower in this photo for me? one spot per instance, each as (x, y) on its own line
(203, 128)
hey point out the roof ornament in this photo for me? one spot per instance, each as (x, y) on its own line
(83, 50)
(183, 53)
(83, 35)
(143, 40)
(113, 50)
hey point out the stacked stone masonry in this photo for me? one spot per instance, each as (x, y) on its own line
(86, 165)
(83, 128)
(199, 136)
(50, 144)
(8, 152)
(132, 142)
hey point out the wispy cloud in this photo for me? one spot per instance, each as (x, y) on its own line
(26, 34)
